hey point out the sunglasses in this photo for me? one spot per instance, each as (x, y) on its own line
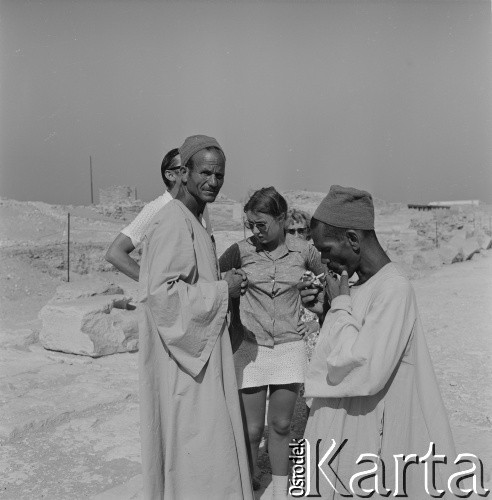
(261, 226)
(299, 230)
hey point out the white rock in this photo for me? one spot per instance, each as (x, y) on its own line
(466, 246)
(476, 256)
(449, 253)
(91, 326)
(88, 287)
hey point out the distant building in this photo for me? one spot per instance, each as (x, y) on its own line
(454, 203)
(413, 206)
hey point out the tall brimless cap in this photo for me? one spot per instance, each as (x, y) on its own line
(196, 143)
(346, 207)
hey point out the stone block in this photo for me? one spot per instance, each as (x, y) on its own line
(471, 247)
(466, 246)
(91, 326)
(482, 239)
(88, 287)
(460, 257)
(450, 254)
(476, 256)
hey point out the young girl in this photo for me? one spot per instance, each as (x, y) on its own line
(272, 355)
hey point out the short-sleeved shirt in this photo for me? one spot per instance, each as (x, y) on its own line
(271, 307)
(138, 227)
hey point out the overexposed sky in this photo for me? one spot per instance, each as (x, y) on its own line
(393, 96)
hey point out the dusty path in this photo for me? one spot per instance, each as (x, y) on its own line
(456, 307)
(69, 425)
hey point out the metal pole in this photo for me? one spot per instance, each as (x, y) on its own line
(135, 193)
(437, 242)
(92, 189)
(68, 249)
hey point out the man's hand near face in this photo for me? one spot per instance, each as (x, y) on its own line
(335, 286)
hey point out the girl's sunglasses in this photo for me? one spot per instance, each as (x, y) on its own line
(298, 230)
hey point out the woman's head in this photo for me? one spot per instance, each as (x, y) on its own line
(266, 212)
(298, 223)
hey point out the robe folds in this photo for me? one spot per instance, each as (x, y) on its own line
(193, 444)
(373, 384)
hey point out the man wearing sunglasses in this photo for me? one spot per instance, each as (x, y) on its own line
(131, 236)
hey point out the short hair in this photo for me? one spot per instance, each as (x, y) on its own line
(300, 216)
(166, 164)
(267, 201)
(191, 163)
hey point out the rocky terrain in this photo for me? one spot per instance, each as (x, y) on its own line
(70, 421)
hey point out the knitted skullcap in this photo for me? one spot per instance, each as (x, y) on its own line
(195, 143)
(346, 207)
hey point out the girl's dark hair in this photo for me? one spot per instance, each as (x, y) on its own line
(267, 201)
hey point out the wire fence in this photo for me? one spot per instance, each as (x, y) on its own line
(76, 246)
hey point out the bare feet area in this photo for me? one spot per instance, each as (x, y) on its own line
(70, 423)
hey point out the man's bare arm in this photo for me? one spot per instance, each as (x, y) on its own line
(118, 254)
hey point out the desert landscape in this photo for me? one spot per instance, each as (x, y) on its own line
(69, 336)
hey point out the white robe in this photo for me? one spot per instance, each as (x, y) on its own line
(373, 384)
(193, 444)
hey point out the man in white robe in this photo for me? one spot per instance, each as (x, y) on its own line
(193, 445)
(131, 236)
(370, 376)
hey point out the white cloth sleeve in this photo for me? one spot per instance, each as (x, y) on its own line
(138, 227)
(354, 359)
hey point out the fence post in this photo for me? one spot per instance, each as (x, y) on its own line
(68, 249)
(92, 188)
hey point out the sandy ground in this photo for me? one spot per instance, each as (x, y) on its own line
(70, 426)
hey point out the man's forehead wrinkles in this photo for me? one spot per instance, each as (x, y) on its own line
(206, 156)
(212, 166)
